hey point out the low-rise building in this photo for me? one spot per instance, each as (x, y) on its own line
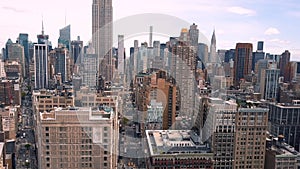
(280, 155)
(177, 149)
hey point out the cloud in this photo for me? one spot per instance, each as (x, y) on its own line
(279, 41)
(241, 11)
(272, 31)
(13, 9)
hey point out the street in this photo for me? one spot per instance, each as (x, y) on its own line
(25, 142)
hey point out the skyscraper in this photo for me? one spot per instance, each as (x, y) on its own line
(40, 66)
(284, 60)
(77, 50)
(102, 36)
(121, 53)
(194, 35)
(258, 55)
(16, 53)
(8, 43)
(61, 55)
(23, 40)
(213, 49)
(65, 36)
(269, 82)
(242, 61)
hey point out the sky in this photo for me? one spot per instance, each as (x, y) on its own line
(276, 22)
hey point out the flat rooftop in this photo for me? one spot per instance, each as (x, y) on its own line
(94, 113)
(162, 142)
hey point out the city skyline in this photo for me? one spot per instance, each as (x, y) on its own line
(233, 21)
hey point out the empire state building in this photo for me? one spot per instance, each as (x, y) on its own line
(102, 36)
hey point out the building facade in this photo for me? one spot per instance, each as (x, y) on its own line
(41, 77)
(250, 137)
(102, 18)
(269, 82)
(284, 119)
(242, 61)
(77, 138)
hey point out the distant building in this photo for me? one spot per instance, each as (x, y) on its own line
(76, 50)
(194, 35)
(281, 155)
(8, 43)
(62, 57)
(269, 82)
(89, 70)
(213, 56)
(284, 60)
(65, 37)
(203, 53)
(121, 55)
(242, 61)
(284, 119)
(16, 53)
(177, 149)
(250, 137)
(258, 55)
(77, 138)
(23, 40)
(41, 76)
(102, 30)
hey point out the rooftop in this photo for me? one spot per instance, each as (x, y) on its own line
(162, 142)
(95, 113)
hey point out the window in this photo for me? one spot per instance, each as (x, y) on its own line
(48, 165)
(47, 128)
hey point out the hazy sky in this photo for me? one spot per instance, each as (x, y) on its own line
(276, 22)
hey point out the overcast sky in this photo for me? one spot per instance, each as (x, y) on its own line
(275, 22)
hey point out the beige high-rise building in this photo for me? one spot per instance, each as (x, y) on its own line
(102, 17)
(78, 138)
(250, 137)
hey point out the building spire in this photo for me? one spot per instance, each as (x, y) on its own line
(65, 17)
(213, 39)
(43, 25)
